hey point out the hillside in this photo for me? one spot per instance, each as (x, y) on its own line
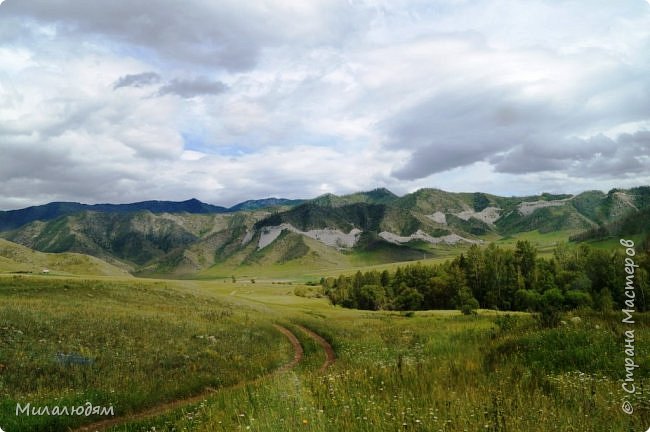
(632, 225)
(372, 227)
(375, 196)
(16, 218)
(159, 242)
(13, 219)
(15, 258)
(265, 203)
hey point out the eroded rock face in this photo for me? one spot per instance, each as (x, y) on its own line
(327, 236)
(526, 208)
(438, 217)
(269, 234)
(248, 237)
(488, 215)
(420, 235)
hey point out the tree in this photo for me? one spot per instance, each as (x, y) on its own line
(384, 279)
(475, 272)
(551, 305)
(440, 293)
(578, 299)
(581, 283)
(408, 299)
(464, 299)
(525, 256)
(545, 276)
(599, 269)
(553, 298)
(527, 300)
(370, 297)
(465, 302)
(605, 302)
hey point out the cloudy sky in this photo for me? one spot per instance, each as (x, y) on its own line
(120, 101)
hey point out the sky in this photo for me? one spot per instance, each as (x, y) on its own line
(224, 101)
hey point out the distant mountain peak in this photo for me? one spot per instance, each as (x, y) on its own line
(264, 203)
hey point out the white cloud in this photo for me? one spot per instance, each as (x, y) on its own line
(243, 100)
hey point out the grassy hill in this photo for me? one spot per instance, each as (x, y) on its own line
(375, 196)
(15, 258)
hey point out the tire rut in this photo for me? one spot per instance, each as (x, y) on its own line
(169, 406)
(330, 355)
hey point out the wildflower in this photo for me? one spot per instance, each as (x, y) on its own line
(305, 422)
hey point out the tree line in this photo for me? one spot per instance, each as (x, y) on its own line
(496, 278)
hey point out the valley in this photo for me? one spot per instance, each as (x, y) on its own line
(274, 236)
(221, 321)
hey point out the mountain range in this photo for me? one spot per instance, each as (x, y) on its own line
(15, 218)
(195, 238)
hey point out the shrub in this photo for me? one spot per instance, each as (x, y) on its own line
(469, 307)
(578, 299)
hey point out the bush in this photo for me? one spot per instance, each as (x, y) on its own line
(300, 291)
(469, 307)
(527, 299)
(506, 322)
(578, 299)
(552, 298)
(548, 317)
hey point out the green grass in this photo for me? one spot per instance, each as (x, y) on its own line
(434, 371)
(613, 243)
(15, 258)
(544, 242)
(148, 343)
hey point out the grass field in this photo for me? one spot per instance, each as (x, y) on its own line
(147, 342)
(155, 341)
(17, 258)
(544, 242)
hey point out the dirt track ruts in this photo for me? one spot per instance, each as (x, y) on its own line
(330, 356)
(163, 408)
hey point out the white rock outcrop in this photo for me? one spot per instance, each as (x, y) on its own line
(248, 237)
(450, 239)
(488, 215)
(526, 208)
(328, 236)
(438, 217)
(269, 234)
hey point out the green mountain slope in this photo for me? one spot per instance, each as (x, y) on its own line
(18, 258)
(132, 237)
(545, 219)
(373, 226)
(375, 196)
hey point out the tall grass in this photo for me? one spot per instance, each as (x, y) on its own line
(436, 373)
(146, 343)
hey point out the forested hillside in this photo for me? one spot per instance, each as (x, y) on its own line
(503, 279)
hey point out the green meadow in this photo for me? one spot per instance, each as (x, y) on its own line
(148, 342)
(153, 342)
